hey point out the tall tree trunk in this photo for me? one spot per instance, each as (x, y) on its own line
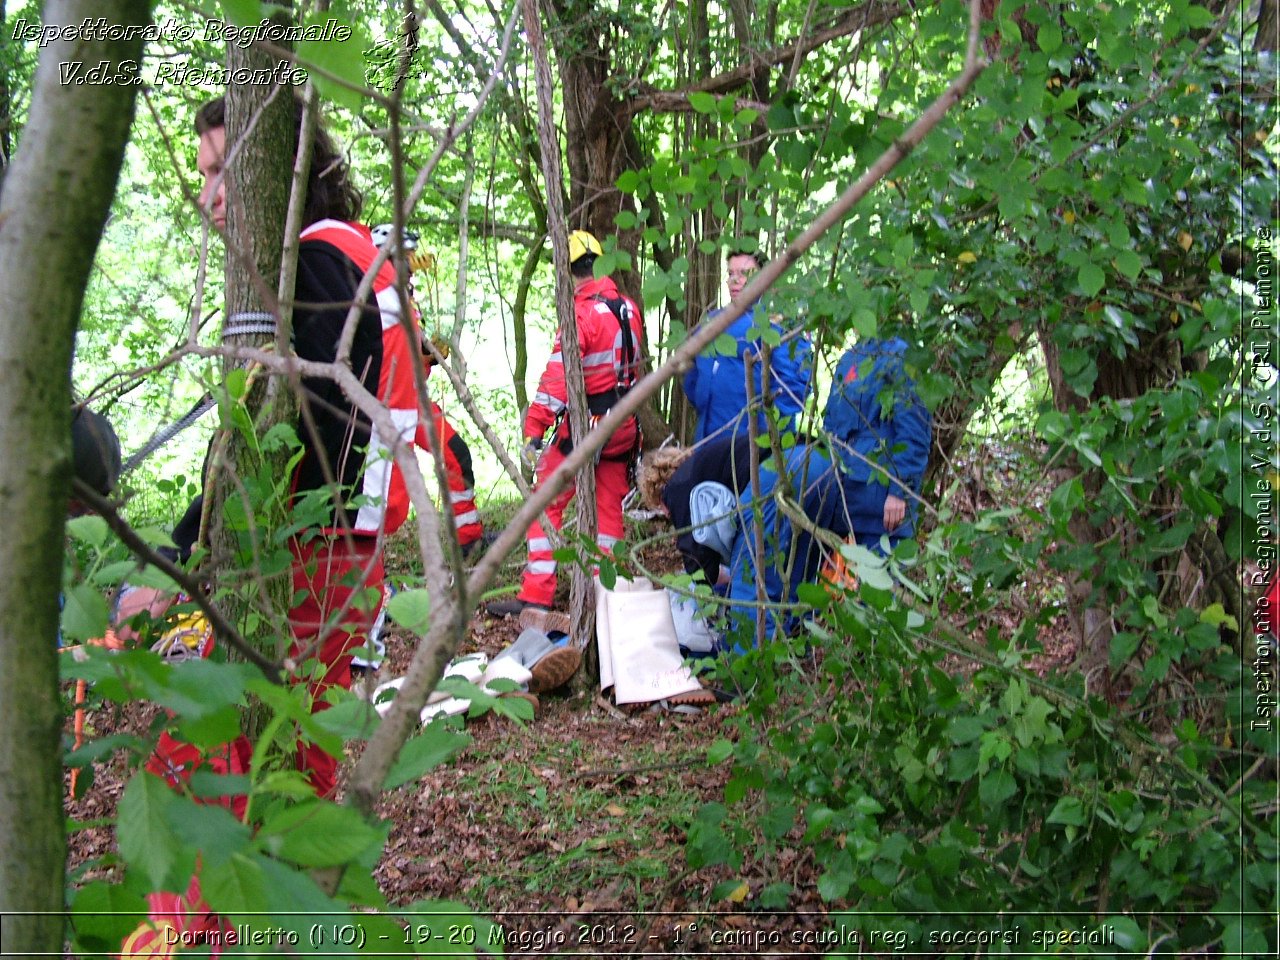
(259, 138)
(582, 602)
(596, 141)
(52, 218)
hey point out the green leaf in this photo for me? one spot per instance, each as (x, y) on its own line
(449, 915)
(1128, 263)
(351, 720)
(147, 842)
(837, 878)
(292, 892)
(95, 750)
(702, 102)
(1069, 811)
(243, 13)
(1217, 615)
(780, 117)
(706, 843)
(84, 613)
(719, 752)
(1091, 279)
(211, 730)
(864, 322)
(426, 751)
(411, 609)
(235, 886)
(318, 834)
(1049, 37)
(628, 181)
(995, 787)
(964, 729)
(90, 529)
(344, 59)
(1128, 935)
(103, 914)
(869, 567)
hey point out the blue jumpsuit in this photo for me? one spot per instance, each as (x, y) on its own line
(717, 384)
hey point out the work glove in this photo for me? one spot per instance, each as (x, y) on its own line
(532, 450)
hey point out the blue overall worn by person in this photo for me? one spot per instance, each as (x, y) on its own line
(716, 385)
(879, 430)
(790, 556)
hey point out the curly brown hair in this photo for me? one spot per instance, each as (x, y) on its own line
(656, 471)
(330, 193)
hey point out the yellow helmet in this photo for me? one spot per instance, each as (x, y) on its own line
(581, 243)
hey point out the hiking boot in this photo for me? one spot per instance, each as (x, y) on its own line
(548, 621)
(555, 668)
(511, 607)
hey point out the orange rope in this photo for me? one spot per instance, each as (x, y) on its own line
(111, 642)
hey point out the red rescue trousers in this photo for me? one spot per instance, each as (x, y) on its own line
(336, 582)
(539, 585)
(458, 473)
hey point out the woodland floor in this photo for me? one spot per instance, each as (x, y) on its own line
(568, 830)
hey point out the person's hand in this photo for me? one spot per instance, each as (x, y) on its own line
(895, 511)
(531, 451)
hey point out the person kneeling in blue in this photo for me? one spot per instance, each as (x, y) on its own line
(879, 431)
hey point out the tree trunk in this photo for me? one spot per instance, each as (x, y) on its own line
(581, 594)
(260, 134)
(951, 418)
(54, 210)
(1268, 35)
(596, 138)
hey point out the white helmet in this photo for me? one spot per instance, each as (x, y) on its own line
(382, 233)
